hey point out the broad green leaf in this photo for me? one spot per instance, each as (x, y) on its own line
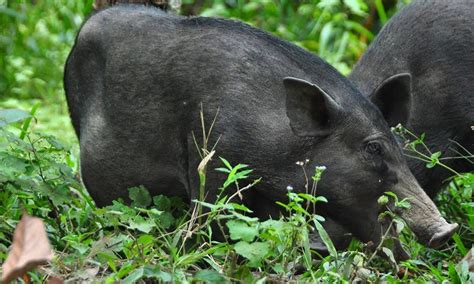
(8, 116)
(133, 277)
(244, 218)
(145, 239)
(142, 225)
(81, 248)
(209, 276)
(140, 196)
(155, 273)
(240, 207)
(59, 195)
(11, 165)
(162, 202)
(240, 230)
(166, 220)
(53, 141)
(254, 252)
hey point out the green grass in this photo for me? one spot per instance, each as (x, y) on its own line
(161, 238)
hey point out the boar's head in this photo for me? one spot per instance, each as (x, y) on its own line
(363, 160)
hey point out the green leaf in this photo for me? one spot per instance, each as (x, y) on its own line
(133, 277)
(209, 276)
(8, 116)
(226, 163)
(162, 202)
(391, 194)
(381, 11)
(142, 225)
(55, 143)
(244, 218)
(166, 220)
(328, 3)
(140, 196)
(145, 239)
(254, 252)
(27, 122)
(434, 160)
(58, 195)
(11, 165)
(404, 203)
(277, 225)
(399, 226)
(240, 207)
(241, 231)
(156, 273)
(326, 239)
(389, 254)
(357, 7)
(223, 170)
(81, 248)
(459, 244)
(453, 274)
(324, 38)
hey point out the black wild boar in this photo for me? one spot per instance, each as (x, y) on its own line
(136, 78)
(420, 72)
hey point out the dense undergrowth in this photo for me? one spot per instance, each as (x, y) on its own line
(162, 238)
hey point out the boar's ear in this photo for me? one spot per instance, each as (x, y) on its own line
(393, 98)
(309, 108)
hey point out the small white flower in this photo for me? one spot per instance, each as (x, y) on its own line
(289, 188)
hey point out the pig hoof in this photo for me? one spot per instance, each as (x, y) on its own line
(443, 235)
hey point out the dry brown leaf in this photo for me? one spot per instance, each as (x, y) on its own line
(29, 249)
(203, 163)
(54, 280)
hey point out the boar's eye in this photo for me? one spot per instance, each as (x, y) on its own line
(374, 148)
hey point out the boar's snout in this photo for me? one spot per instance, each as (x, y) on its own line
(444, 233)
(423, 218)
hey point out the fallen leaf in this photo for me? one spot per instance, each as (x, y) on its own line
(29, 249)
(54, 280)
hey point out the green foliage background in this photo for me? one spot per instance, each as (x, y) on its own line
(37, 171)
(36, 37)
